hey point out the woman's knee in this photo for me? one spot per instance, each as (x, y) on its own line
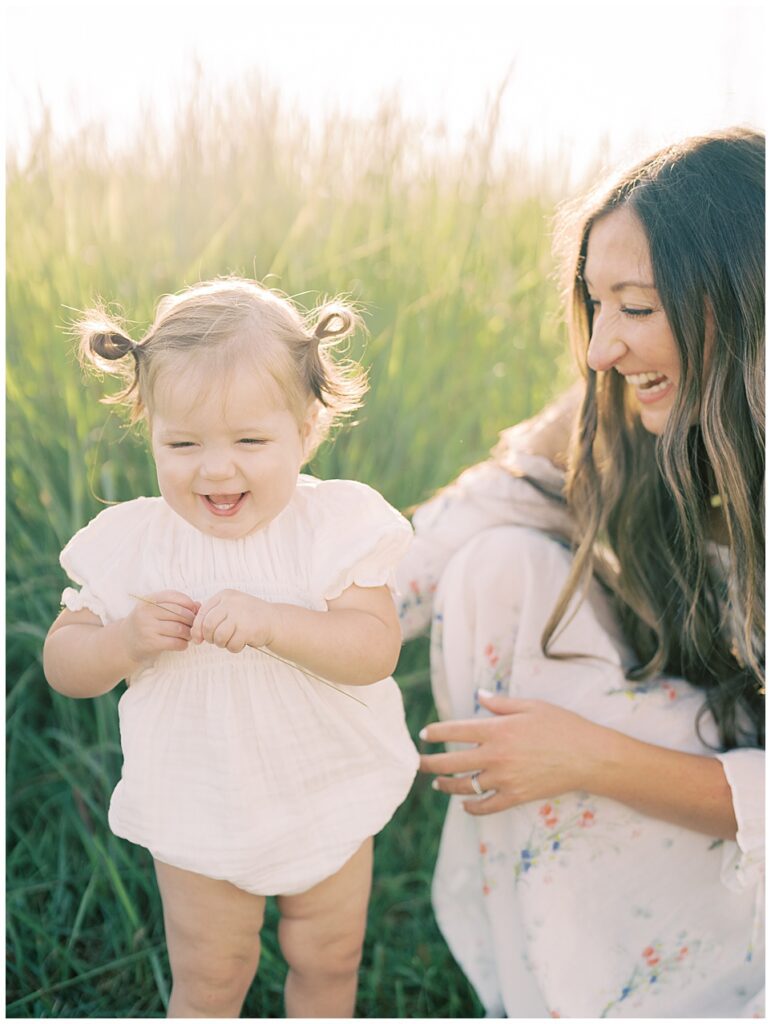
(503, 563)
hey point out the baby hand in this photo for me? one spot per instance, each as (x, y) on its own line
(159, 623)
(233, 620)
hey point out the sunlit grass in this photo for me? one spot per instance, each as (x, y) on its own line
(450, 255)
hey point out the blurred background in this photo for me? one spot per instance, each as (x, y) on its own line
(410, 155)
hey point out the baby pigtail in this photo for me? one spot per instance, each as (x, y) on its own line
(339, 386)
(105, 345)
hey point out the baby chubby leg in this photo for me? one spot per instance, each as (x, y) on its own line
(213, 938)
(321, 933)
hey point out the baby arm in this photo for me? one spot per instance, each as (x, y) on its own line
(84, 658)
(355, 642)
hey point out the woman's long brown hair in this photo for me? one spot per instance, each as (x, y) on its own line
(702, 206)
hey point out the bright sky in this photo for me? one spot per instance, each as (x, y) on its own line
(584, 74)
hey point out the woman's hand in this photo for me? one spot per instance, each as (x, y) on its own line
(160, 622)
(530, 750)
(233, 620)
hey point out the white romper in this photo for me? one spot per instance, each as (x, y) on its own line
(239, 766)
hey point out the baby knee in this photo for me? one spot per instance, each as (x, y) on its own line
(311, 951)
(212, 983)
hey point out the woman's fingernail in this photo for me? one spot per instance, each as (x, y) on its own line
(423, 734)
(435, 784)
(484, 693)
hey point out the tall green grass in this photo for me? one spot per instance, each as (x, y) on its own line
(449, 253)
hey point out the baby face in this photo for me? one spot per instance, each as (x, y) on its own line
(227, 451)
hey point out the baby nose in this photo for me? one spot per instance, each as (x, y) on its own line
(217, 465)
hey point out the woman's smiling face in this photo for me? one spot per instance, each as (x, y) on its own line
(630, 330)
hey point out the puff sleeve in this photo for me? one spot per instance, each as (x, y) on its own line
(100, 557)
(359, 538)
(743, 862)
(491, 493)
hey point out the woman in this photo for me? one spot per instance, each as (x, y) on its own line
(602, 853)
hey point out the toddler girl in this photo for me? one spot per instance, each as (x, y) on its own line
(248, 610)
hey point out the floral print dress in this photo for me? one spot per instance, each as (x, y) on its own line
(576, 906)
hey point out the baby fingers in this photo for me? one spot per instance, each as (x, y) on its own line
(218, 628)
(174, 603)
(174, 629)
(207, 622)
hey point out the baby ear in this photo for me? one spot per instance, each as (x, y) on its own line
(309, 427)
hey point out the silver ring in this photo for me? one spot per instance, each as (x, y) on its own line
(475, 783)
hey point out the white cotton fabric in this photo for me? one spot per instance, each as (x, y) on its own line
(576, 906)
(238, 766)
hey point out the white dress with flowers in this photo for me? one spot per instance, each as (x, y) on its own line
(576, 906)
(239, 766)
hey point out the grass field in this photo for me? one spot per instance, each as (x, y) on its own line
(450, 255)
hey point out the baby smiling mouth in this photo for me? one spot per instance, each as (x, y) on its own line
(224, 502)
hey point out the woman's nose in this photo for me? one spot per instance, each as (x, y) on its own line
(605, 347)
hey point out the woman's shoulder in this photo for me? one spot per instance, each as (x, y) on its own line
(544, 436)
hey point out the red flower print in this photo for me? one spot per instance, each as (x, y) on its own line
(648, 951)
(652, 961)
(490, 654)
(551, 822)
(414, 587)
(684, 951)
(553, 1013)
(483, 848)
(486, 889)
(545, 810)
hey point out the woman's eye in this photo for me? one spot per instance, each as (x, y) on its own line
(635, 312)
(180, 444)
(251, 440)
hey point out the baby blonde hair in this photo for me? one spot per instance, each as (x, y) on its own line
(225, 320)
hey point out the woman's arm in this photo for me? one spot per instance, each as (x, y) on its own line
(355, 642)
(84, 658)
(533, 750)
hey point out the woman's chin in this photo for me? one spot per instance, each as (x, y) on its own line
(653, 419)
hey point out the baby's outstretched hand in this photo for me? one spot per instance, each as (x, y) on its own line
(233, 620)
(159, 622)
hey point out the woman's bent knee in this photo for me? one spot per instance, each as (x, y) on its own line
(507, 553)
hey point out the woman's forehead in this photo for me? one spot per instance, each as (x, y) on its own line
(617, 250)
